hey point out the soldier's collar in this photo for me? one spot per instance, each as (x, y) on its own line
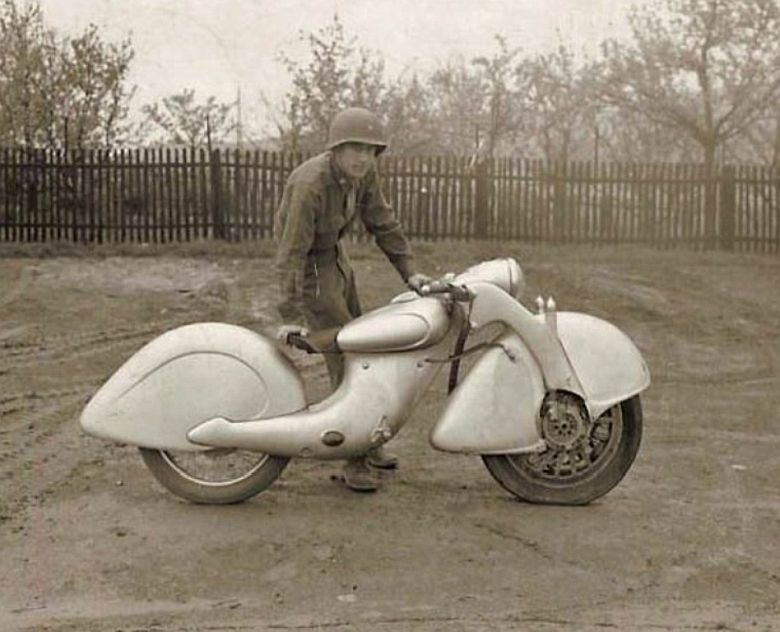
(344, 182)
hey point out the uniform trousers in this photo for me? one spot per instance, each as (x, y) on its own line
(330, 299)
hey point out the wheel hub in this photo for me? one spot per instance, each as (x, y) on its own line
(574, 443)
(563, 422)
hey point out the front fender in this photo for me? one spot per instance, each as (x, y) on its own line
(495, 407)
(608, 364)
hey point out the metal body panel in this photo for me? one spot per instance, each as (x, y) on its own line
(399, 326)
(370, 406)
(492, 304)
(606, 360)
(188, 375)
(219, 385)
(494, 408)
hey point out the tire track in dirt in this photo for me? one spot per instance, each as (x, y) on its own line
(18, 402)
(65, 347)
(34, 427)
(47, 453)
(38, 429)
(211, 618)
(39, 435)
(16, 290)
(40, 442)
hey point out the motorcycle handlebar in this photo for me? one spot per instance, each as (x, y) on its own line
(457, 292)
(299, 342)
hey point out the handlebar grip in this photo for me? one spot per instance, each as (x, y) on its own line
(300, 342)
(457, 292)
(294, 339)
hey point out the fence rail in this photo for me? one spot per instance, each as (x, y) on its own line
(163, 195)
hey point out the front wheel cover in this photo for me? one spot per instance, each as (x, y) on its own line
(521, 475)
(188, 486)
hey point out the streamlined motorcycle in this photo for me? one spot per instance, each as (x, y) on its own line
(551, 403)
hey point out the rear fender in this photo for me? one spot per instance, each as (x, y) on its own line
(188, 375)
(495, 407)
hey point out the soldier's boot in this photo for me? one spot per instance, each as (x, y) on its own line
(381, 458)
(359, 477)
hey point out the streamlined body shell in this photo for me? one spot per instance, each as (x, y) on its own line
(188, 375)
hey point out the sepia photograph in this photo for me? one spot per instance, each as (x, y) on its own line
(389, 315)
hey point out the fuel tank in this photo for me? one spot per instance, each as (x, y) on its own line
(190, 374)
(403, 325)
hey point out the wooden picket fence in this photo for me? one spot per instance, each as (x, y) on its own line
(168, 195)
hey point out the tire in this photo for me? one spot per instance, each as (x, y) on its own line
(554, 477)
(214, 477)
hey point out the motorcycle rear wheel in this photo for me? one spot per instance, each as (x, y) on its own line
(213, 477)
(577, 476)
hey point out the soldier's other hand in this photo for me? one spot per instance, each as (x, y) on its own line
(285, 331)
(417, 281)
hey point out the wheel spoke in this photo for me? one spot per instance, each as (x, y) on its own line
(575, 467)
(576, 449)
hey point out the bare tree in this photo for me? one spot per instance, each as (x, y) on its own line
(499, 101)
(335, 75)
(475, 103)
(180, 120)
(457, 92)
(94, 92)
(759, 143)
(707, 69)
(629, 136)
(412, 125)
(559, 109)
(25, 45)
(59, 92)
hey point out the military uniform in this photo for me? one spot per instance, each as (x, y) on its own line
(317, 282)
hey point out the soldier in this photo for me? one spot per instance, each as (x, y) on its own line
(321, 199)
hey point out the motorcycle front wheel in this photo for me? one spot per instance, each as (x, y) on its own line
(574, 472)
(214, 477)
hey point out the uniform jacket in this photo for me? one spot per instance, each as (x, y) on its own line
(318, 205)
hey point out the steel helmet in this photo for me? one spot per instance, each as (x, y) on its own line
(357, 125)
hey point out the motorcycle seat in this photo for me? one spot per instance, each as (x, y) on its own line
(400, 326)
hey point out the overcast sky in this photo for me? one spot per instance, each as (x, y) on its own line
(215, 46)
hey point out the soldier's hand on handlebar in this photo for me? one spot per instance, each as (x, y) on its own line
(418, 281)
(444, 286)
(285, 331)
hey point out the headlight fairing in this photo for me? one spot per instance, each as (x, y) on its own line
(504, 273)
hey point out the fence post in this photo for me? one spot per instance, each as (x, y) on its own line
(218, 218)
(482, 199)
(710, 232)
(559, 201)
(30, 182)
(728, 206)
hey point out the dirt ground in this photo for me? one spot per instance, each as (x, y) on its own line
(690, 540)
